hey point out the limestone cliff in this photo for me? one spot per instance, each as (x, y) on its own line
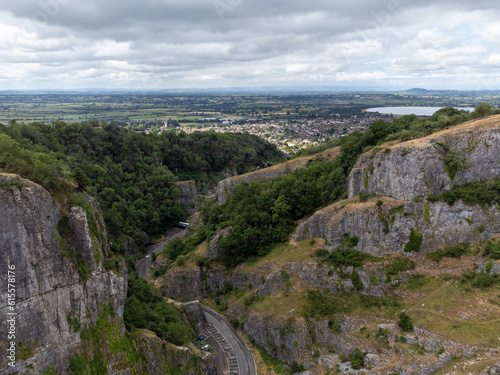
(291, 338)
(52, 288)
(417, 168)
(408, 172)
(225, 187)
(385, 229)
(270, 279)
(69, 307)
(189, 192)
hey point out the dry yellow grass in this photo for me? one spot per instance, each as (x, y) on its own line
(471, 316)
(138, 332)
(291, 252)
(491, 122)
(285, 304)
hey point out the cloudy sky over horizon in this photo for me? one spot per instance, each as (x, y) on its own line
(166, 44)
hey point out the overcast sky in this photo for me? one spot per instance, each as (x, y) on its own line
(164, 44)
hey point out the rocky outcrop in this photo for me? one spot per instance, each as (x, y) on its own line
(403, 175)
(64, 295)
(50, 290)
(277, 277)
(417, 168)
(311, 342)
(386, 228)
(189, 192)
(225, 187)
(158, 357)
(213, 246)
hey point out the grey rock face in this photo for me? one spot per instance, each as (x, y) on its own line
(162, 358)
(213, 247)
(189, 191)
(48, 286)
(407, 171)
(415, 168)
(289, 338)
(270, 279)
(485, 267)
(90, 252)
(386, 229)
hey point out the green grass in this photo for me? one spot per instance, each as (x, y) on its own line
(455, 251)
(342, 257)
(321, 303)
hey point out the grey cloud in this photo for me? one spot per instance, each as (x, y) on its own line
(247, 42)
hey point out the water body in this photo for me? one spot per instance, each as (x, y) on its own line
(418, 111)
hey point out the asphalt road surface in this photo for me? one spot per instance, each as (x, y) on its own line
(240, 359)
(145, 263)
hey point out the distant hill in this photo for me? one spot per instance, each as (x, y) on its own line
(418, 91)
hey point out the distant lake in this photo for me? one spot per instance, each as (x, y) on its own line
(418, 111)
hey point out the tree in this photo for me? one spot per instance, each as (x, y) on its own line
(81, 179)
(482, 110)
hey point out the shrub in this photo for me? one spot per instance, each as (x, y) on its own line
(488, 267)
(484, 193)
(492, 250)
(363, 196)
(350, 241)
(484, 280)
(414, 242)
(453, 161)
(285, 277)
(234, 322)
(340, 257)
(334, 325)
(399, 264)
(321, 254)
(481, 228)
(356, 281)
(455, 251)
(296, 367)
(405, 322)
(251, 299)
(356, 359)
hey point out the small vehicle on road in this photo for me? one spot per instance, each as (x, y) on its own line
(206, 348)
(200, 338)
(182, 225)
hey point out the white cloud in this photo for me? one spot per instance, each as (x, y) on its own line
(169, 43)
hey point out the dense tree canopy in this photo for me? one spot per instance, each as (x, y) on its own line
(132, 174)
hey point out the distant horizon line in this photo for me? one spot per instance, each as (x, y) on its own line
(260, 89)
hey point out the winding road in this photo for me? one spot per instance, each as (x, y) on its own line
(235, 356)
(145, 263)
(239, 358)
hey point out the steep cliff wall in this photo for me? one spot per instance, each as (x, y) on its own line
(290, 338)
(50, 290)
(225, 187)
(417, 168)
(69, 308)
(386, 229)
(189, 191)
(408, 172)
